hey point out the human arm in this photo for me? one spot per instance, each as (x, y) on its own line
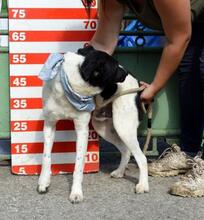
(176, 20)
(110, 18)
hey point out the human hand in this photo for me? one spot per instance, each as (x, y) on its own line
(148, 93)
(144, 84)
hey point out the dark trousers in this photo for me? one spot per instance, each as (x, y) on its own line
(191, 91)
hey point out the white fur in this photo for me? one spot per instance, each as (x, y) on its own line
(121, 130)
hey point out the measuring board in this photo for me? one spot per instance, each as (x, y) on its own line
(36, 29)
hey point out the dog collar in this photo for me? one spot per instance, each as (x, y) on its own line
(51, 68)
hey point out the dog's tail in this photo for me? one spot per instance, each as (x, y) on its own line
(148, 111)
(139, 106)
(145, 109)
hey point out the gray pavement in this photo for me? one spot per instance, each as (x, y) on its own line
(105, 198)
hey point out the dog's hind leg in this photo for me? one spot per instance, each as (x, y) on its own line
(82, 131)
(106, 130)
(126, 127)
(49, 134)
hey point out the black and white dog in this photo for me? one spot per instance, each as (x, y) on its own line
(92, 73)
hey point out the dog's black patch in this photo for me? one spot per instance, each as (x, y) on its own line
(109, 91)
(84, 51)
(101, 70)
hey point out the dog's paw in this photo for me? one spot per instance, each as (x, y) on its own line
(141, 188)
(117, 173)
(42, 189)
(76, 198)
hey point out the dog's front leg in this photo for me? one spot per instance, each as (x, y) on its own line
(82, 131)
(44, 179)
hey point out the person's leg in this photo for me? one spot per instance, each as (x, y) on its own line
(202, 80)
(174, 160)
(191, 97)
(192, 184)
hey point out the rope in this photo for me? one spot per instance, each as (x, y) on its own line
(126, 92)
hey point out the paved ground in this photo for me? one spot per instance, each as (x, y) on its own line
(105, 198)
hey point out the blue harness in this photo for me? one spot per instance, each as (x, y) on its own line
(51, 68)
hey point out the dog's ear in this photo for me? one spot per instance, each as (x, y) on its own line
(85, 51)
(121, 74)
(122, 70)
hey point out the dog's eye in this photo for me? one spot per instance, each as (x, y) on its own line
(96, 74)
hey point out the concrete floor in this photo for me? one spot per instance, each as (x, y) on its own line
(105, 198)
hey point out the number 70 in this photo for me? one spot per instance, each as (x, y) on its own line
(90, 24)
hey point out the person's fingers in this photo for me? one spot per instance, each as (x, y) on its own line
(144, 84)
(147, 95)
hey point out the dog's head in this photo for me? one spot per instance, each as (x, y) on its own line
(100, 69)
